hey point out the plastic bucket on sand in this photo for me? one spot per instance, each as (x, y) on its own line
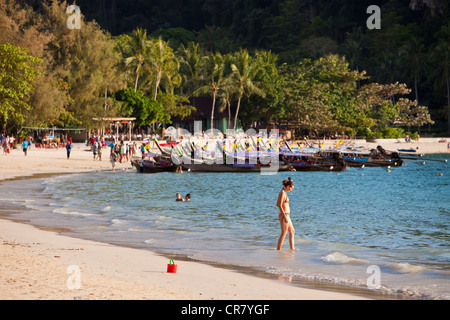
(171, 267)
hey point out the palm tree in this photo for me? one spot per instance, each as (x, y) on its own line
(244, 72)
(164, 65)
(192, 64)
(215, 81)
(225, 95)
(136, 48)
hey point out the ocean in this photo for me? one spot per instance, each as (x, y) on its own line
(383, 231)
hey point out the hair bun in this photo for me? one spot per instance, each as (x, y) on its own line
(288, 182)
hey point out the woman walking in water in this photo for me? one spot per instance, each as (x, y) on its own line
(284, 217)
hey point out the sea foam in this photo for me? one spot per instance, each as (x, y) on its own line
(340, 258)
(408, 268)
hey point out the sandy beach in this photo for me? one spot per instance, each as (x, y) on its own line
(37, 263)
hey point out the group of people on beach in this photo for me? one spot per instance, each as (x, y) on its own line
(123, 152)
(7, 143)
(120, 152)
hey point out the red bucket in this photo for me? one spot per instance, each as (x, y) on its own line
(171, 267)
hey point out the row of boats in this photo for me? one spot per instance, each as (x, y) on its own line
(308, 159)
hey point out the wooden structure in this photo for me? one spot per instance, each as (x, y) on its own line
(117, 122)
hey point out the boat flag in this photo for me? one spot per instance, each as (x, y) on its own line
(338, 143)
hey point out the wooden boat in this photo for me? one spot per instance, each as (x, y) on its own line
(232, 162)
(152, 163)
(246, 167)
(374, 158)
(312, 162)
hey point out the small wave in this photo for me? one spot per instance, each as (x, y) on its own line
(56, 204)
(70, 211)
(28, 206)
(106, 209)
(118, 221)
(408, 268)
(137, 230)
(359, 283)
(302, 241)
(340, 258)
(17, 201)
(149, 241)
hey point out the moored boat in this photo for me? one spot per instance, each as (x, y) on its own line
(152, 163)
(374, 158)
(313, 162)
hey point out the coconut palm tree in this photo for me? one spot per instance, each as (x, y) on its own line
(244, 72)
(192, 64)
(163, 65)
(214, 80)
(136, 49)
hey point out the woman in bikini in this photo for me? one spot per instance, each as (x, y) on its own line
(284, 217)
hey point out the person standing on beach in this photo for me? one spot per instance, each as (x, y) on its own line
(5, 145)
(113, 159)
(95, 149)
(99, 147)
(69, 148)
(284, 215)
(25, 146)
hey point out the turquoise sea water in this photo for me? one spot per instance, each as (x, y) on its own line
(345, 222)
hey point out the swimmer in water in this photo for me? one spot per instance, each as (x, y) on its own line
(284, 215)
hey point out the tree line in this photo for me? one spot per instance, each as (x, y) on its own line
(65, 77)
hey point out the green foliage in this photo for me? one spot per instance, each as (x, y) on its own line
(271, 106)
(244, 78)
(174, 106)
(17, 72)
(137, 105)
(146, 110)
(65, 120)
(87, 60)
(387, 133)
(175, 37)
(317, 90)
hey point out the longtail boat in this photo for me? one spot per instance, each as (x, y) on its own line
(154, 162)
(378, 157)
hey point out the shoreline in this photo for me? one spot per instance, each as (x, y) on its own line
(34, 262)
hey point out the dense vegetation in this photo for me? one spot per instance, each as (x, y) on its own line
(313, 66)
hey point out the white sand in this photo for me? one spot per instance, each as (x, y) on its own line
(34, 262)
(33, 265)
